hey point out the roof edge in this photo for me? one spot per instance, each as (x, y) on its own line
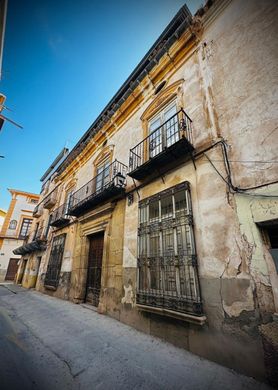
(175, 28)
(14, 191)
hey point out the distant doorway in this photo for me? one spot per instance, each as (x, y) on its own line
(39, 258)
(93, 284)
(22, 271)
(12, 269)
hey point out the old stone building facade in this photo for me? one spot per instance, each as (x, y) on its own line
(165, 212)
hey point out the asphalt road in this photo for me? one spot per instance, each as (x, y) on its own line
(46, 343)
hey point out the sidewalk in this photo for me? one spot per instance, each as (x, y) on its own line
(14, 288)
(67, 346)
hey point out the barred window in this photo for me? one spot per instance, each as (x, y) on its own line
(55, 261)
(167, 262)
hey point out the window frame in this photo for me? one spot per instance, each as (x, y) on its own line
(167, 133)
(29, 224)
(101, 169)
(13, 224)
(55, 260)
(175, 262)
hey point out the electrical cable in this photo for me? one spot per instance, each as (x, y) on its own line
(228, 171)
(249, 161)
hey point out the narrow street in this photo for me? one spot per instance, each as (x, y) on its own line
(46, 343)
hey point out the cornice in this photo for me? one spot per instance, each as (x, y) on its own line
(162, 45)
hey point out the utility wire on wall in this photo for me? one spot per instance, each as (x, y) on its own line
(228, 180)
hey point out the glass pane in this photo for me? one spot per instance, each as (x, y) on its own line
(170, 279)
(154, 124)
(187, 281)
(106, 173)
(167, 207)
(154, 211)
(143, 246)
(143, 214)
(155, 140)
(168, 242)
(181, 241)
(154, 244)
(155, 275)
(180, 203)
(171, 127)
(102, 177)
(169, 112)
(98, 182)
(143, 278)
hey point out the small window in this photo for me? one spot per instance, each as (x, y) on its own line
(13, 224)
(159, 87)
(34, 201)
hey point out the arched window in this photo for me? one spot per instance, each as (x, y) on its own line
(13, 224)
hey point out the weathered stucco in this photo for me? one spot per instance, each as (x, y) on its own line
(223, 72)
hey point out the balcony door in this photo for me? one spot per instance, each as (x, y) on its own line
(93, 284)
(102, 176)
(67, 201)
(163, 130)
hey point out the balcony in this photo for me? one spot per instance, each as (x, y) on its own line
(163, 148)
(99, 189)
(59, 217)
(39, 234)
(37, 212)
(35, 242)
(51, 199)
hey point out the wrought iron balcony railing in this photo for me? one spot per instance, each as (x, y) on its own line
(104, 186)
(169, 142)
(36, 241)
(60, 216)
(51, 199)
(39, 234)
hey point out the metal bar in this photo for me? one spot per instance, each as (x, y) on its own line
(178, 126)
(98, 184)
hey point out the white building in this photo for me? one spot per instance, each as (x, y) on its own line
(15, 230)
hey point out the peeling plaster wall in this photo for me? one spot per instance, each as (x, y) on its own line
(227, 94)
(228, 90)
(253, 211)
(241, 56)
(226, 285)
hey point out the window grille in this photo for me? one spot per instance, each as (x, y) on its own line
(55, 261)
(167, 262)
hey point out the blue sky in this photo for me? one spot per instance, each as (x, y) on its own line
(63, 61)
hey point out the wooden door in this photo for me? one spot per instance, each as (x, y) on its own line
(12, 269)
(93, 284)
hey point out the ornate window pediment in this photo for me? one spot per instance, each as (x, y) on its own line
(173, 91)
